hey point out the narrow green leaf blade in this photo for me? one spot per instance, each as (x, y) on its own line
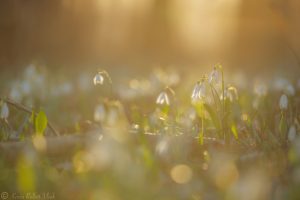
(234, 131)
(283, 127)
(41, 122)
(213, 115)
(201, 138)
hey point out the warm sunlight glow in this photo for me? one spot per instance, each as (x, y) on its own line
(181, 174)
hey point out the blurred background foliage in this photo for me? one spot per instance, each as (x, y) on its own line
(141, 139)
(74, 33)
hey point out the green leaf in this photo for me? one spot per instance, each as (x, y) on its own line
(213, 115)
(41, 122)
(147, 157)
(234, 131)
(201, 138)
(32, 117)
(165, 110)
(283, 128)
(199, 108)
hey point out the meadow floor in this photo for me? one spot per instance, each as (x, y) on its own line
(163, 135)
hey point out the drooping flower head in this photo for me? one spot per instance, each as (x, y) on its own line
(214, 76)
(292, 133)
(289, 90)
(100, 113)
(283, 102)
(231, 93)
(198, 91)
(163, 99)
(98, 79)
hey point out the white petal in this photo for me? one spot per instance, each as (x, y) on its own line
(283, 102)
(292, 133)
(162, 99)
(195, 91)
(100, 113)
(214, 76)
(166, 99)
(159, 98)
(290, 90)
(98, 79)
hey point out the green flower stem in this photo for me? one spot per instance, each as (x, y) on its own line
(105, 73)
(223, 105)
(202, 126)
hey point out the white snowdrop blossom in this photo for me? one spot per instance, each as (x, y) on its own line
(4, 111)
(280, 83)
(231, 93)
(100, 113)
(25, 87)
(16, 93)
(98, 79)
(283, 102)
(292, 133)
(198, 91)
(162, 146)
(289, 90)
(214, 76)
(163, 99)
(112, 116)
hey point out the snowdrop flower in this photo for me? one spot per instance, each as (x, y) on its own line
(289, 90)
(162, 146)
(25, 87)
(112, 116)
(283, 102)
(292, 133)
(4, 111)
(16, 93)
(100, 113)
(163, 99)
(214, 76)
(280, 83)
(99, 79)
(231, 93)
(198, 91)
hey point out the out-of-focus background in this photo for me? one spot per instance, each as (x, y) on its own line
(243, 34)
(141, 112)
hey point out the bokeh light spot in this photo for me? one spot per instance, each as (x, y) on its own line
(181, 174)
